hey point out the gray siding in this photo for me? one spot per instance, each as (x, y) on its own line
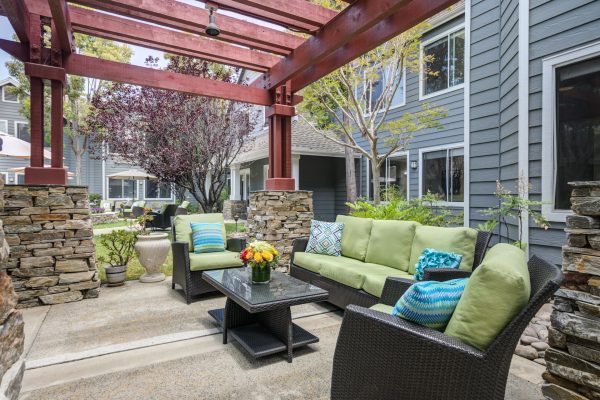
(10, 112)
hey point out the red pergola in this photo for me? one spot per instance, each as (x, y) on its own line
(288, 61)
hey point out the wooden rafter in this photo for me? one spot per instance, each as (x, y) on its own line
(178, 15)
(62, 22)
(17, 14)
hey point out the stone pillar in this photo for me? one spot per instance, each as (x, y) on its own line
(52, 254)
(573, 359)
(279, 217)
(12, 335)
(231, 208)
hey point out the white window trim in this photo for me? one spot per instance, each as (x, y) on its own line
(437, 148)
(136, 196)
(15, 126)
(4, 98)
(157, 198)
(446, 33)
(396, 154)
(265, 175)
(549, 66)
(6, 121)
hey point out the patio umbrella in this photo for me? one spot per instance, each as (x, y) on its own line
(11, 146)
(20, 170)
(131, 174)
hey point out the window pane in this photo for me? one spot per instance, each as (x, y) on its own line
(399, 94)
(436, 70)
(4, 127)
(8, 96)
(152, 189)
(164, 191)
(23, 131)
(129, 189)
(577, 127)
(20, 179)
(457, 58)
(115, 188)
(434, 173)
(397, 175)
(456, 178)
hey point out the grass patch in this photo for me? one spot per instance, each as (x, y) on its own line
(118, 224)
(230, 227)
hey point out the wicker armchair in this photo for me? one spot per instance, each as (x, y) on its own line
(162, 220)
(380, 356)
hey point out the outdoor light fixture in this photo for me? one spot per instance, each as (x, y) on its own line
(235, 218)
(212, 29)
(414, 164)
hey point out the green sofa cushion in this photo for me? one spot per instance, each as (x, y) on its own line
(183, 228)
(355, 237)
(457, 240)
(376, 275)
(497, 291)
(344, 270)
(222, 259)
(310, 261)
(384, 308)
(390, 243)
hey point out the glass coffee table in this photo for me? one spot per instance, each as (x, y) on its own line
(258, 316)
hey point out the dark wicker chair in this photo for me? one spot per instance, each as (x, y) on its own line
(137, 211)
(380, 356)
(191, 281)
(162, 220)
(181, 211)
(341, 295)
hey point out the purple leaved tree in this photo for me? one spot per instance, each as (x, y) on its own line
(184, 140)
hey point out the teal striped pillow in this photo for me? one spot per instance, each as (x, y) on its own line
(207, 237)
(430, 303)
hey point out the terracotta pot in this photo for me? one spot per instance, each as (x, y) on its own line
(152, 252)
(115, 276)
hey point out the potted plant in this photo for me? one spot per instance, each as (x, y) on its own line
(261, 257)
(119, 245)
(152, 249)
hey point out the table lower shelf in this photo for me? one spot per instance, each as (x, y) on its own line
(259, 341)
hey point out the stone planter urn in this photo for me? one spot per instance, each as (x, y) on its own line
(152, 250)
(115, 276)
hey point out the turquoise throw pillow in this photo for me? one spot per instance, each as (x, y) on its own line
(325, 238)
(431, 258)
(430, 303)
(207, 237)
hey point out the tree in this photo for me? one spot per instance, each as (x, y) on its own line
(182, 139)
(78, 92)
(354, 102)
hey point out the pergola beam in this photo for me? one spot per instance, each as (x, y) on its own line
(193, 19)
(62, 22)
(18, 16)
(354, 20)
(405, 18)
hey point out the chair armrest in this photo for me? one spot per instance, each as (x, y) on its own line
(393, 289)
(444, 274)
(299, 244)
(181, 253)
(372, 345)
(236, 244)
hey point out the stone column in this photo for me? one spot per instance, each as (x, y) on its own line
(279, 217)
(573, 359)
(12, 336)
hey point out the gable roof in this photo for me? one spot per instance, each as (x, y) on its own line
(305, 141)
(8, 80)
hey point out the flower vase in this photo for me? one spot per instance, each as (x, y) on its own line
(152, 251)
(260, 274)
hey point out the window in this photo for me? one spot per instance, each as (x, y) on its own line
(22, 131)
(442, 173)
(121, 188)
(19, 179)
(446, 68)
(157, 190)
(393, 174)
(7, 96)
(3, 126)
(397, 98)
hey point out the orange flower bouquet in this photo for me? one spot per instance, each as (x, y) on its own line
(261, 257)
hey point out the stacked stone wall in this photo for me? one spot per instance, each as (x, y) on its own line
(52, 253)
(279, 217)
(573, 359)
(231, 208)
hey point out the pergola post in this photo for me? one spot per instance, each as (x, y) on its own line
(280, 141)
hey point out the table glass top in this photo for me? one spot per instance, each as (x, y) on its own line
(281, 287)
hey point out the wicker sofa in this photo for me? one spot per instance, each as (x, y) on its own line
(352, 280)
(188, 266)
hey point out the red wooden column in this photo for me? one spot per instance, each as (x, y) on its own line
(280, 141)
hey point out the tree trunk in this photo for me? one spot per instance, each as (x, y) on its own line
(78, 157)
(350, 175)
(375, 170)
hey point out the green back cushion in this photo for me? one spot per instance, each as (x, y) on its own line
(497, 291)
(183, 227)
(390, 243)
(455, 240)
(355, 237)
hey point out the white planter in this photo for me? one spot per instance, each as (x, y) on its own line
(152, 252)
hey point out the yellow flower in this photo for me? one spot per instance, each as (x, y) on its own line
(275, 252)
(267, 256)
(258, 257)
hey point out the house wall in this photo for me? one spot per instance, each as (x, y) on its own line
(10, 112)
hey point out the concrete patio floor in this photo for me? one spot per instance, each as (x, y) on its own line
(141, 341)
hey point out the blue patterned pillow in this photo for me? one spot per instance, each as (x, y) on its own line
(431, 258)
(207, 237)
(430, 303)
(325, 238)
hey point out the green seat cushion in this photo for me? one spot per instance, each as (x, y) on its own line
(390, 243)
(384, 308)
(222, 259)
(355, 237)
(183, 227)
(497, 291)
(456, 240)
(310, 261)
(344, 270)
(376, 275)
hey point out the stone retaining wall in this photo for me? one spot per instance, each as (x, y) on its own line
(105, 218)
(52, 256)
(573, 359)
(279, 217)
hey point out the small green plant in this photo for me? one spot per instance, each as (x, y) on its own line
(515, 206)
(119, 247)
(143, 220)
(95, 199)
